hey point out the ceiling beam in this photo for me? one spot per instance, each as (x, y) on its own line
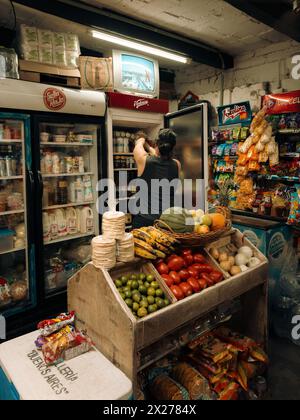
(102, 19)
(264, 15)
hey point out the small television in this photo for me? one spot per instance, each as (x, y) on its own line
(135, 74)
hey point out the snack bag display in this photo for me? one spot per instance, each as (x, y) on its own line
(294, 217)
(246, 186)
(50, 326)
(274, 158)
(252, 154)
(244, 147)
(242, 160)
(258, 119)
(241, 171)
(260, 147)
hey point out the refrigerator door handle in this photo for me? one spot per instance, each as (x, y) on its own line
(31, 181)
(41, 183)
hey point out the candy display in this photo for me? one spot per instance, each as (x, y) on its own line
(50, 326)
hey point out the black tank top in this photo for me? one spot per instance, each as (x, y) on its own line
(157, 170)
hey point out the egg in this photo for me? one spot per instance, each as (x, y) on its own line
(247, 251)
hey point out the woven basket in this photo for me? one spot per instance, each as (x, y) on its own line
(195, 239)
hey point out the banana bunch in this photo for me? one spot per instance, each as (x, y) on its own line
(151, 244)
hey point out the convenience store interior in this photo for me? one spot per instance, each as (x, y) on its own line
(226, 52)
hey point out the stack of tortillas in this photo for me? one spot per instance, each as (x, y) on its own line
(113, 225)
(125, 248)
(104, 252)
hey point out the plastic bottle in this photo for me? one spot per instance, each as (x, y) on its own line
(79, 190)
(46, 227)
(71, 218)
(87, 220)
(61, 222)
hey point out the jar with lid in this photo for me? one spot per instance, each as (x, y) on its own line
(62, 192)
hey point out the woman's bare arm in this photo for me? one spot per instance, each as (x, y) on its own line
(140, 155)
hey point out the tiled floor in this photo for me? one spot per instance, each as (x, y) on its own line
(284, 378)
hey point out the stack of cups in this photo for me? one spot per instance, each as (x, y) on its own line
(113, 225)
(125, 248)
(104, 252)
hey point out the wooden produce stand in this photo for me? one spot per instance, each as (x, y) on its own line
(132, 345)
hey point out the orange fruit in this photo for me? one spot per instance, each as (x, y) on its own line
(218, 221)
(202, 229)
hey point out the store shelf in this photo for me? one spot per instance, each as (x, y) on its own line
(125, 169)
(8, 213)
(53, 144)
(123, 154)
(10, 142)
(11, 251)
(62, 206)
(236, 212)
(65, 175)
(290, 155)
(69, 238)
(10, 178)
(278, 178)
(289, 131)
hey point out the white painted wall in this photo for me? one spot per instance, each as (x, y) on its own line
(244, 82)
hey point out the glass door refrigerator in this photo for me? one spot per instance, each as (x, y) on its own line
(191, 127)
(17, 249)
(67, 151)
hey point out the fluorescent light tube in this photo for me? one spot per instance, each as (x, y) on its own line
(139, 47)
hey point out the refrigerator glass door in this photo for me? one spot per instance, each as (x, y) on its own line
(17, 264)
(190, 125)
(68, 176)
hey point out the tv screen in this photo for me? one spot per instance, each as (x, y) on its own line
(136, 74)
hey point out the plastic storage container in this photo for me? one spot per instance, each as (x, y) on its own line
(6, 239)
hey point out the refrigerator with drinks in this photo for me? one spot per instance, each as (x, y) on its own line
(63, 161)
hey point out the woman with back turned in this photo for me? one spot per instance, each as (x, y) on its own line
(156, 164)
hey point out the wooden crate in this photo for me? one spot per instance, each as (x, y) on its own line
(127, 342)
(230, 243)
(49, 74)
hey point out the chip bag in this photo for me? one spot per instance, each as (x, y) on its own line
(49, 326)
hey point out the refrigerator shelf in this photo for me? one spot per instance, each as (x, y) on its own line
(11, 178)
(62, 206)
(123, 154)
(10, 142)
(64, 175)
(7, 213)
(11, 251)
(53, 144)
(125, 169)
(69, 238)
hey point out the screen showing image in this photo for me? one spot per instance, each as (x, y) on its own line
(138, 73)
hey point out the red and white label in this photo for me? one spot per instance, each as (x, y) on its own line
(137, 103)
(54, 99)
(282, 103)
(141, 103)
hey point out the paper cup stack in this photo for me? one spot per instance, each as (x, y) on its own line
(125, 248)
(113, 225)
(104, 252)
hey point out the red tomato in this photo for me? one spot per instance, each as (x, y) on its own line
(186, 288)
(162, 268)
(194, 283)
(216, 276)
(176, 264)
(199, 258)
(170, 257)
(175, 277)
(188, 259)
(202, 284)
(186, 252)
(207, 278)
(193, 272)
(184, 274)
(204, 268)
(168, 280)
(177, 292)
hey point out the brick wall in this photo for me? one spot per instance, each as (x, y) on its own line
(246, 81)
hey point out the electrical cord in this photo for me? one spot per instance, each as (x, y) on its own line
(14, 13)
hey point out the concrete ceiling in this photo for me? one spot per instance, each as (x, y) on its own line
(213, 22)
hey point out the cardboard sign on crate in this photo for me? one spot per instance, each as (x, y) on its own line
(96, 73)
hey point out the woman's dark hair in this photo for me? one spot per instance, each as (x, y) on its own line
(166, 143)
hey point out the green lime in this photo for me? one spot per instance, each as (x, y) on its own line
(150, 300)
(133, 277)
(159, 293)
(126, 289)
(129, 283)
(151, 291)
(143, 290)
(135, 291)
(128, 294)
(160, 303)
(150, 278)
(135, 306)
(140, 282)
(167, 302)
(142, 276)
(123, 296)
(124, 279)
(118, 283)
(136, 297)
(154, 284)
(129, 302)
(144, 303)
(147, 284)
(142, 312)
(134, 284)
(152, 308)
